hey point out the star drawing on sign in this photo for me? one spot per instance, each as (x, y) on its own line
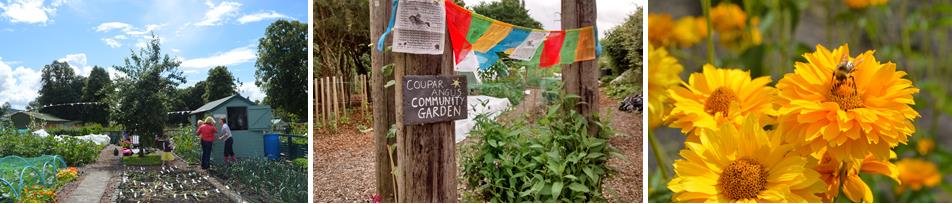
(456, 83)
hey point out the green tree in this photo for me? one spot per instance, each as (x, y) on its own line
(342, 38)
(187, 99)
(622, 45)
(96, 89)
(194, 97)
(219, 84)
(144, 94)
(509, 11)
(60, 85)
(6, 108)
(282, 66)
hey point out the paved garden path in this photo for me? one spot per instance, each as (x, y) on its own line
(94, 183)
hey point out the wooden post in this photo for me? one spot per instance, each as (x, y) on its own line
(426, 152)
(363, 91)
(581, 78)
(334, 99)
(344, 97)
(318, 112)
(383, 103)
(325, 101)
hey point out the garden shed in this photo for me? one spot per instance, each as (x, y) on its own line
(23, 119)
(249, 122)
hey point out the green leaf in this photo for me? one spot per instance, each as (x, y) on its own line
(577, 187)
(389, 84)
(556, 189)
(590, 174)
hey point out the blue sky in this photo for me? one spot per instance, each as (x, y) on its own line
(85, 33)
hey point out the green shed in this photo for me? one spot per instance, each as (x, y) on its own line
(23, 119)
(248, 122)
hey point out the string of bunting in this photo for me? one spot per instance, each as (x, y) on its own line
(476, 40)
(101, 103)
(72, 104)
(180, 112)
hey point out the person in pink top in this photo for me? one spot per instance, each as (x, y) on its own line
(207, 133)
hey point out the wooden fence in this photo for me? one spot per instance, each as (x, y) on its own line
(331, 99)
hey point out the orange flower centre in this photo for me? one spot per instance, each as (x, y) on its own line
(844, 93)
(720, 101)
(743, 179)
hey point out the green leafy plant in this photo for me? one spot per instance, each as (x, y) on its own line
(552, 160)
(265, 180)
(621, 90)
(74, 151)
(187, 145)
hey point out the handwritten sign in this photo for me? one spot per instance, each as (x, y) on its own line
(433, 98)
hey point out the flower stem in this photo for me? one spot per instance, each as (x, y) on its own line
(659, 155)
(706, 5)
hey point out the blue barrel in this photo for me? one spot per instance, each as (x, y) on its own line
(272, 146)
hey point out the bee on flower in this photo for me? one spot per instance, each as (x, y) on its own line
(849, 114)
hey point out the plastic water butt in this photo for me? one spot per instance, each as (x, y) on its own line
(272, 146)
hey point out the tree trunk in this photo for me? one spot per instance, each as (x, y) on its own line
(383, 103)
(426, 152)
(581, 78)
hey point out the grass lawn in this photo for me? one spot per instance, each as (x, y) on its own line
(153, 159)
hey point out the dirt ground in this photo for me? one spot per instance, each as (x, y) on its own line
(344, 159)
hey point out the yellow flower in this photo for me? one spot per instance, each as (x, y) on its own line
(743, 165)
(853, 186)
(660, 29)
(663, 73)
(925, 145)
(917, 173)
(742, 39)
(688, 32)
(728, 17)
(866, 112)
(719, 96)
(860, 4)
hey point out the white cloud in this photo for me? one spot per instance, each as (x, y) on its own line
(250, 91)
(142, 34)
(148, 29)
(231, 57)
(18, 86)
(78, 63)
(255, 17)
(29, 11)
(218, 13)
(107, 26)
(112, 42)
(142, 44)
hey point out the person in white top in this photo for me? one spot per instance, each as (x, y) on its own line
(229, 141)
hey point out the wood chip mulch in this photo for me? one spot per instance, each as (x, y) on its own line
(344, 167)
(626, 184)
